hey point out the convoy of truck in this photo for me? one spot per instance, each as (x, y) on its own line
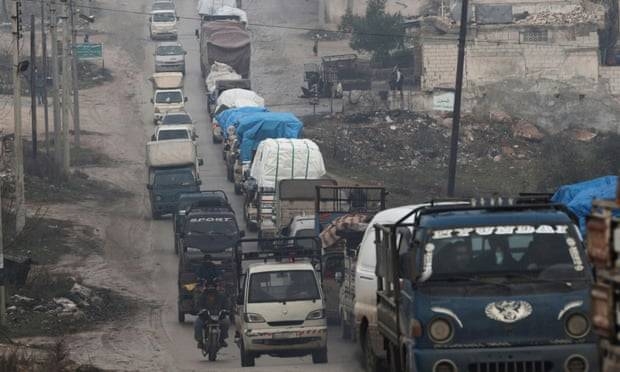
(488, 285)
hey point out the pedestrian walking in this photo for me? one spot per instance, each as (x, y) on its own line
(315, 47)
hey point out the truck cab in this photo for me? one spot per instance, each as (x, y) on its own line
(172, 171)
(165, 100)
(495, 285)
(167, 183)
(216, 198)
(280, 306)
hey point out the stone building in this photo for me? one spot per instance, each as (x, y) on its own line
(512, 39)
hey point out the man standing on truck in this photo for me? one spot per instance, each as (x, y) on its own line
(214, 302)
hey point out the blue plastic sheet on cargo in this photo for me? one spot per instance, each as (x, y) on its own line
(231, 116)
(256, 127)
(578, 197)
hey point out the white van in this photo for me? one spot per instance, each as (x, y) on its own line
(163, 24)
(281, 312)
(361, 317)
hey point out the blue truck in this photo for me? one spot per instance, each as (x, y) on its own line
(484, 286)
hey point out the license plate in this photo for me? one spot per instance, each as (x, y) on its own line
(284, 335)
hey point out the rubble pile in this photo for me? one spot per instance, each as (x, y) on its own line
(579, 15)
(407, 140)
(62, 311)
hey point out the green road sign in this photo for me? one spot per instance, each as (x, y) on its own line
(89, 51)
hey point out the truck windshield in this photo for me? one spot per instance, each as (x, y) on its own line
(209, 225)
(526, 251)
(174, 179)
(176, 119)
(169, 50)
(282, 286)
(172, 134)
(169, 97)
(164, 17)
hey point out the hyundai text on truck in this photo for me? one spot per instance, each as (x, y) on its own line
(495, 285)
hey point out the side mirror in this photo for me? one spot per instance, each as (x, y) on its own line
(241, 233)
(201, 162)
(197, 34)
(412, 258)
(240, 299)
(185, 99)
(152, 100)
(149, 186)
(153, 138)
(351, 252)
(184, 52)
(178, 18)
(150, 19)
(199, 182)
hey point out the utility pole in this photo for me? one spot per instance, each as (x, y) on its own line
(45, 72)
(34, 78)
(66, 89)
(20, 212)
(456, 113)
(55, 89)
(74, 70)
(2, 276)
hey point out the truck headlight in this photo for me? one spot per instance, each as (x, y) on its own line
(577, 325)
(440, 331)
(253, 318)
(316, 315)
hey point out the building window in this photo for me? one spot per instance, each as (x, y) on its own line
(536, 36)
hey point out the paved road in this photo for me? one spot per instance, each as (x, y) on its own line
(342, 355)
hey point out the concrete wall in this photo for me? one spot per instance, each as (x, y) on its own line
(610, 75)
(566, 57)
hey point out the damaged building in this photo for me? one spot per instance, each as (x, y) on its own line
(567, 41)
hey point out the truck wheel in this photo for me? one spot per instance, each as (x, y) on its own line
(181, 316)
(238, 189)
(176, 248)
(212, 356)
(345, 329)
(230, 174)
(247, 358)
(371, 361)
(319, 356)
(214, 139)
(156, 215)
(224, 155)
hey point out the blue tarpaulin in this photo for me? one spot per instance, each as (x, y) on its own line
(230, 117)
(578, 197)
(256, 127)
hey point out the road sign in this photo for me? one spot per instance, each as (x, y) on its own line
(89, 51)
(443, 101)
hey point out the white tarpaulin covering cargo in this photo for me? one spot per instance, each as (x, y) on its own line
(220, 71)
(236, 97)
(232, 11)
(209, 7)
(170, 153)
(167, 80)
(285, 158)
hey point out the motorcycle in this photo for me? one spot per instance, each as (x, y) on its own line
(211, 332)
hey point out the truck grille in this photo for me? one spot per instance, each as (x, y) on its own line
(285, 323)
(512, 366)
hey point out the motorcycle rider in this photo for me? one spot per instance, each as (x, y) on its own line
(214, 301)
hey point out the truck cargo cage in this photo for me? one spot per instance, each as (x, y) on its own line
(603, 226)
(332, 202)
(279, 250)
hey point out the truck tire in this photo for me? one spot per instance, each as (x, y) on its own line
(319, 356)
(238, 189)
(181, 316)
(371, 362)
(247, 358)
(156, 215)
(212, 356)
(230, 175)
(345, 329)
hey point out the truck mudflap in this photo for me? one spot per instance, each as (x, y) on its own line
(549, 358)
